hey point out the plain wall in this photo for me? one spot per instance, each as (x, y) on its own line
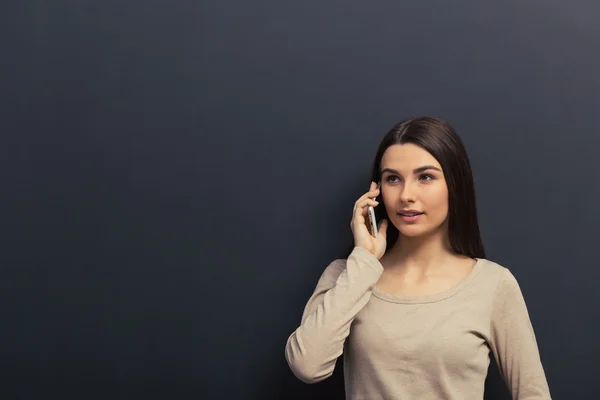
(177, 175)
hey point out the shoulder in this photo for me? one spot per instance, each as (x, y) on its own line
(502, 285)
(495, 281)
(496, 274)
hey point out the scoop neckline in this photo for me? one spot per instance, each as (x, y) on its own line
(431, 298)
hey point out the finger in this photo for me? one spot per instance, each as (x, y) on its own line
(361, 210)
(383, 225)
(360, 206)
(366, 197)
(358, 219)
(368, 202)
(372, 193)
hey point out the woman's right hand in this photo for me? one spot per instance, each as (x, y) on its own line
(362, 237)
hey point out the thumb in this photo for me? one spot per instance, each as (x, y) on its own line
(382, 229)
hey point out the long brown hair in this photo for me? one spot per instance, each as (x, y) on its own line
(440, 139)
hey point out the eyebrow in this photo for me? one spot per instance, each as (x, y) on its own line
(415, 171)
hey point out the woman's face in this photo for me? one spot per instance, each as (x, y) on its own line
(412, 179)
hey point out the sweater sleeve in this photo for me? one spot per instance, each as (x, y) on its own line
(514, 344)
(342, 291)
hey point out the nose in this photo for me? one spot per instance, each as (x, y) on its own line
(407, 194)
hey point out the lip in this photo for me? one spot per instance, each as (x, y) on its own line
(411, 219)
(402, 212)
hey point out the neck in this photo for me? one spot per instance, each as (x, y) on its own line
(420, 254)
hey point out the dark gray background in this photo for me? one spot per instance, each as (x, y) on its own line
(177, 174)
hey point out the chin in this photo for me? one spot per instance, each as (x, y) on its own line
(412, 232)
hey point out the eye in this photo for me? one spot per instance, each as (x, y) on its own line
(390, 178)
(427, 176)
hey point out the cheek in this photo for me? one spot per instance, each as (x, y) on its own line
(437, 200)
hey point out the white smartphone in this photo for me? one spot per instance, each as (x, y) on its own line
(372, 220)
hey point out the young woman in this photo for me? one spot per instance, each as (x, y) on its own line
(417, 309)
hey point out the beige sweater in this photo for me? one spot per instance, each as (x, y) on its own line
(421, 347)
